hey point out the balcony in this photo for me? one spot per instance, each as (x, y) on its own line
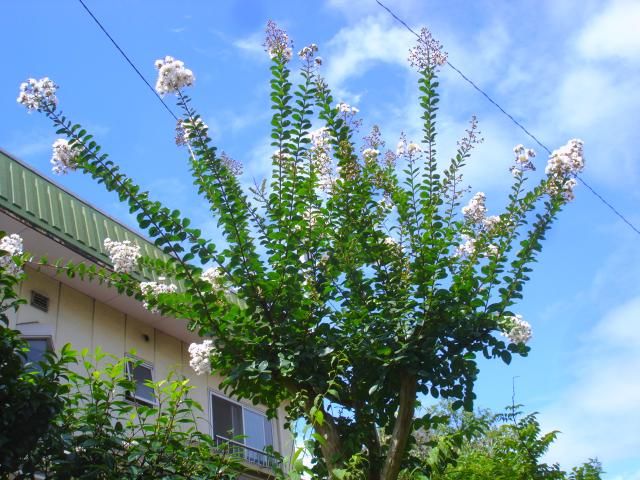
(248, 454)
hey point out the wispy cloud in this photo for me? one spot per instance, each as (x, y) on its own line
(600, 404)
(613, 34)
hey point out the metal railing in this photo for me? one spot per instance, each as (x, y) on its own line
(247, 453)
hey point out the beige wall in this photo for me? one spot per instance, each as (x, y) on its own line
(84, 322)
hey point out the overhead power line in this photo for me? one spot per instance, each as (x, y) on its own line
(513, 120)
(457, 70)
(129, 61)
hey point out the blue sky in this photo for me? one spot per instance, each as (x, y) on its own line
(566, 68)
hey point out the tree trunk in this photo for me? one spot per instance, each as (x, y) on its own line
(401, 429)
(332, 445)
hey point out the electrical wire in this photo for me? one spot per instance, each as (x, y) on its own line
(457, 70)
(516, 122)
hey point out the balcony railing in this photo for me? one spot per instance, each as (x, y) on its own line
(247, 453)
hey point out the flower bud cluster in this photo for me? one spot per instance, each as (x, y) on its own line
(517, 330)
(277, 43)
(38, 94)
(428, 53)
(172, 75)
(12, 244)
(563, 165)
(124, 255)
(153, 289)
(63, 156)
(200, 354)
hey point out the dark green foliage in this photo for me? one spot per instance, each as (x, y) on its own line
(101, 434)
(30, 395)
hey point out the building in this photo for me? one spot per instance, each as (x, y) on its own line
(60, 310)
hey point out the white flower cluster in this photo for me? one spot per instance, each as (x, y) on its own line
(172, 75)
(63, 156)
(124, 255)
(308, 54)
(517, 330)
(476, 209)
(213, 275)
(346, 109)
(428, 53)
(277, 43)
(153, 289)
(524, 160)
(38, 94)
(200, 354)
(370, 156)
(404, 148)
(12, 244)
(321, 158)
(467, 248)
(564, 164)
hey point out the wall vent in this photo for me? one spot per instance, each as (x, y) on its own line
(39, 301)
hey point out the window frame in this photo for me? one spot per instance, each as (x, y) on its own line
(243, 407)
(131, 396)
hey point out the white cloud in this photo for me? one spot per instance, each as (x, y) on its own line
(354, 49)
(598, 414)
(252, 44)
(613, 33)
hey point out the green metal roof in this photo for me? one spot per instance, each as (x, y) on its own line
(38, 201)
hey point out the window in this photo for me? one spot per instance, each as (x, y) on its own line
(246, 432)
(141, 373)
(40, 340)
(37, 348)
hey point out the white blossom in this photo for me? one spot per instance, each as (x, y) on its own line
(153, 289)
(124, 255)
(523, 160)
(12, 244)
(370, 154)
(401, 148)
(517, 330)
(308, 52)
(413, 148)
(467, 248)
(428, 53)
(346, 109)
(63, 156)
(564, 164)
(213, 275)
(492, 250)
(490, 222)
(200, 354)
(172, 75)
(475, 210)
(321, 159)
(38, 94)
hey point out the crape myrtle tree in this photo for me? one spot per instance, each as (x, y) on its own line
(351, 281)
